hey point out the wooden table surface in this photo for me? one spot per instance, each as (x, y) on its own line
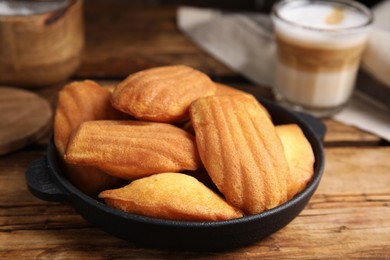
(348, 216)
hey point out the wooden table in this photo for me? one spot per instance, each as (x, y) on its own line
(349, 215)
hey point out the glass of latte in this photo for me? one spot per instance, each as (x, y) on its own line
(319, 46)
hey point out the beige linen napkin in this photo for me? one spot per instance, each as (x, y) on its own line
(369, 108)
(244, 42)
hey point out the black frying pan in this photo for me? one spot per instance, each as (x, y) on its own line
(46, 180)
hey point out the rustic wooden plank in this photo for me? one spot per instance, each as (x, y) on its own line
(356, 232)
(122, 38)
(13, 190)
(348, 215)
(356, 171)
(321, 233)
(341, 134)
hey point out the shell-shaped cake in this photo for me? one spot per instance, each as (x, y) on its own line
(241, 151)
(79, 102)
(173, 196)
(161, 94)
(299, 155)
(223, 89)
(132, 149)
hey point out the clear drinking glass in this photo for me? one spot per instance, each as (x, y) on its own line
(319, 46)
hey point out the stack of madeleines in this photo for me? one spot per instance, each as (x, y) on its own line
(170, 143)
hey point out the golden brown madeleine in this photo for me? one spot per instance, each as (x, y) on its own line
(300, 157)
(222, 89)
(133, 149)
(161, 94)
(174, 196)
(79, 102)
(241, 151)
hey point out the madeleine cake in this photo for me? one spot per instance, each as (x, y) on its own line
(300, 157)
(172, 196)
(223, 89)
(241, 151)
(161, 94)
(79, 102)
(132, 149)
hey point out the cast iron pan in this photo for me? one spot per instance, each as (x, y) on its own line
(46, 180)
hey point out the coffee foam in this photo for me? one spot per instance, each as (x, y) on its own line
(315, 16)
(313, 28)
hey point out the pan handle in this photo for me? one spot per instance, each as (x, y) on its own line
(41, 184)
(314, 123)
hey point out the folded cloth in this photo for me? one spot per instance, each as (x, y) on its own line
(376, 57)
(366, 114)
(369, 109)
(245, 43)
(381, 15)
(242, 41)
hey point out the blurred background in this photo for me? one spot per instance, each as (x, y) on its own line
(255, 5)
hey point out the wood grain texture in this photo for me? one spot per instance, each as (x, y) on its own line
(125, 38)
(348, 217)
(340, 134)
(344, 218)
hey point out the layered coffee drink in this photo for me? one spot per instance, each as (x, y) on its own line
(319, 47)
